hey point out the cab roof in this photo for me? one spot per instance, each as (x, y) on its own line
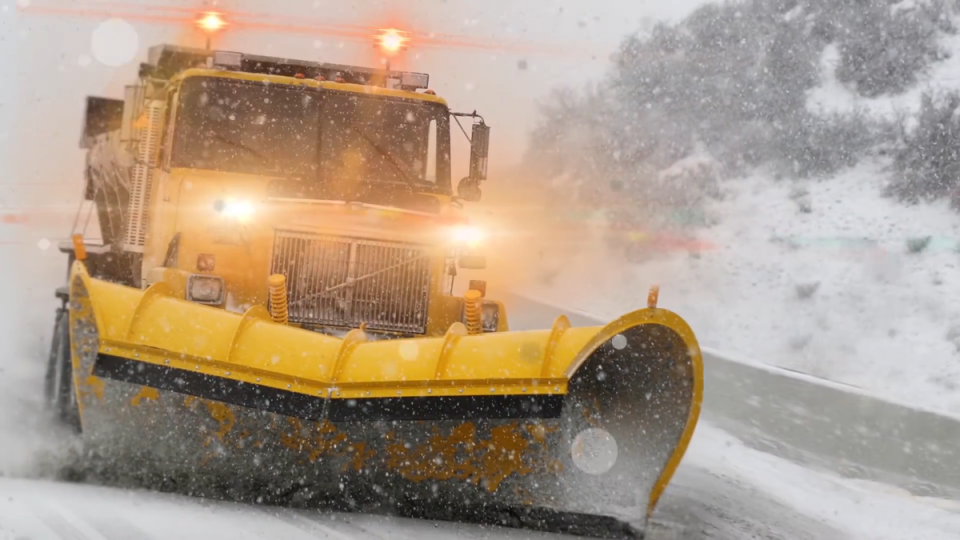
(168, 62)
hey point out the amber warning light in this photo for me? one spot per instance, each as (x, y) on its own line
(211, 22)
(391, 40)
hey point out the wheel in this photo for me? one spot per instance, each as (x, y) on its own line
(59, 391)
(50, 377)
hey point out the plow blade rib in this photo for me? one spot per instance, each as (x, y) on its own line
(545, 429)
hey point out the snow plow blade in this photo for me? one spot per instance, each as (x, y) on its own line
(565, 429)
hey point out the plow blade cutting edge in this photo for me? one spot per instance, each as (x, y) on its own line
(566, 429)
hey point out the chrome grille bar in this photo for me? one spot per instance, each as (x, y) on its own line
(334, 281)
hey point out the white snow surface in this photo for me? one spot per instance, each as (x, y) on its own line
(49, 510)
(860, 509)
(880, 317)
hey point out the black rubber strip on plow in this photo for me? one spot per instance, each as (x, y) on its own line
(298, 405)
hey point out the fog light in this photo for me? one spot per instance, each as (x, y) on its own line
(491, 316)
(205, 289)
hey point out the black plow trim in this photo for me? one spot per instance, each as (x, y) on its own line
(307, 407)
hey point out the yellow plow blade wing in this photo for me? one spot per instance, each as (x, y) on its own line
(559, 423)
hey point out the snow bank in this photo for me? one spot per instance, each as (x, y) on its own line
(828, 278)
(860, 509)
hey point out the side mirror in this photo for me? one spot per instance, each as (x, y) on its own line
(472, 262)
(469, 189)
(479, 149)
(102, 115)
(133, 97)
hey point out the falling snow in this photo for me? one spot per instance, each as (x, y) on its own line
(785, 170)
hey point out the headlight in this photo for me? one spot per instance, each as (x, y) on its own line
(205, 289)
(491, 316)
(467, 235)
(239, 210)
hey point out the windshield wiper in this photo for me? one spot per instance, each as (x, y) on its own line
(403, 173)
(272, 162)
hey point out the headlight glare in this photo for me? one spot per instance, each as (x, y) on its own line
(240, 210)
(467, 235)
(205, 289)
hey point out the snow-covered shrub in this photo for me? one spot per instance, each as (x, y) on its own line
(916, 245)
(927, 162)
(731, 83)
(801, 197)
(883, 46)
(806, 290)
(812, 145)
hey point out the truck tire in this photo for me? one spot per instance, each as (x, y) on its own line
(60, 392)
(50, 376)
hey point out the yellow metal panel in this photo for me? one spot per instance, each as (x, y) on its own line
(214, 338)
(152, 328)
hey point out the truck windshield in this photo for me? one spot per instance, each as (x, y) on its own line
(244, 127)
(370, 139)
(326, 138)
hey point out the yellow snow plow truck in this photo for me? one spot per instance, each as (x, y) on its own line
(269, 313)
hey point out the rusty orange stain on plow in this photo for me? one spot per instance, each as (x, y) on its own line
(219, 412)
(462, 455)
(458, 453)
(324, 440)
(145, 394)
(95, 385)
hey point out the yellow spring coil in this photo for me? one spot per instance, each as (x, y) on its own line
(278, 298)
(473, 309)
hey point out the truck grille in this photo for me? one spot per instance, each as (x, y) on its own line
(335, 281)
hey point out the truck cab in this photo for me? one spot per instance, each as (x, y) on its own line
(220, 169)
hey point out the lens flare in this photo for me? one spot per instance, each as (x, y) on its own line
(211, 22)
(467, 235)
(241, 210)
(392, 40)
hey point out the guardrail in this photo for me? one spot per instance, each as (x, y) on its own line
(813, 421)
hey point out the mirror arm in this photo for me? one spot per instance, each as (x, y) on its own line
(469, 115)
(461, 128)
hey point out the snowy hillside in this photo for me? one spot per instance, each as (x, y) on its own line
(798, 117)
(835, 292)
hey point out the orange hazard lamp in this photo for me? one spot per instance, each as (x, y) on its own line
(211, 22)
(391, 41)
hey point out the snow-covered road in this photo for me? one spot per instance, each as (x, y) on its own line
(699, 505)
(724, 490)
(748, 485)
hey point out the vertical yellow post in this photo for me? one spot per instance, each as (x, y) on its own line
(278, 298)
(474, 311)
(78, 248)
(653, 296)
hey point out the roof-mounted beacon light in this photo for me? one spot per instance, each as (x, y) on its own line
(392, 41)
(210, 22)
